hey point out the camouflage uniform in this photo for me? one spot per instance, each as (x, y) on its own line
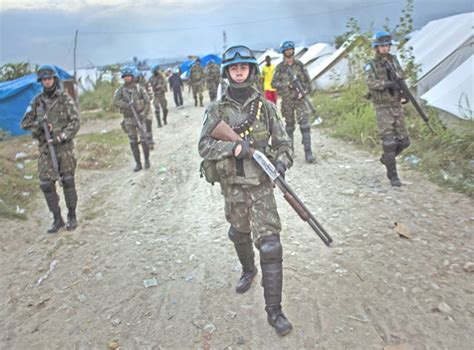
(388, 108)
(291, 107)
(63, 116)
(142, 104)
(160, 87)
(213, 76)
(149, 116)
(196, 79)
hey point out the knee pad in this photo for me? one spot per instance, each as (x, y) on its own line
(68, 180)
(238, 237)
(271, 250)
(389, 144)
(47, 186)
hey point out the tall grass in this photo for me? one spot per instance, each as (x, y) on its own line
(100, 98)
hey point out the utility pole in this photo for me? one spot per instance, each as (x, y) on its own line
(224, 39)
(75, 83)
(75, 47)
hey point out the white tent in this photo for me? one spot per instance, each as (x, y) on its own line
(86, 78)
(316, 51)
(441, 46)
(454, 93)
(278, 57)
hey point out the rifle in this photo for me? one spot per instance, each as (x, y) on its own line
(141, 126)
(222, 131)
(403, 86)
(296, 84)
(49, 140)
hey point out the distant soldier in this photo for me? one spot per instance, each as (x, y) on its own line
(126, 96)
(176, 85)
(141, 79)
(212, 78)
(55, 110)
(387, 99)
(293, 105)
(159, 85)
(197, 78)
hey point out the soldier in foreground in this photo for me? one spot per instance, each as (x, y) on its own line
(293, 105)
(196, 79)
(53, 120)
(248, 193)
(134, 102)
(387, 98)
(159, 86)
(213, 75)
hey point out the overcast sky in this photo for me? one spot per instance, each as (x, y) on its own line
(42, 31)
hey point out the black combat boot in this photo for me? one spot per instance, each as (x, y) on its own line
(165, 116)
(195, 102)
(388, 159)
(52, 200)
(244, 248)
(272, 280)
(146, 153)
(136, 156)
(158, 117)
(306, 141)
(70, 197)
(200, 101)
(149, 133)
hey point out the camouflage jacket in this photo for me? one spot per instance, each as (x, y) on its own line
(136, 93)
(377, 74)
(213, 74)
(267, 125)
(282, 79)
(62, 114)
(196, 75)
(158, 84)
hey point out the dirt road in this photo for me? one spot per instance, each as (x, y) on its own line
(372, 289)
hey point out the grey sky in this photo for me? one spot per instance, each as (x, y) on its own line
(114, 31)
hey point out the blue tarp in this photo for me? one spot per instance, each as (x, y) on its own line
(15, 95)
(186, 65)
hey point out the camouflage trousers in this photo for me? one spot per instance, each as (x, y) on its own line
(66, 161)
(133, 130)
(197, 90)
(212, 87)
(252, 209)
(391, 121)
(295, 110)
(160, 101)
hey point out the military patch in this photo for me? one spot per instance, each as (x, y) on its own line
(28, 109)
(368, 67)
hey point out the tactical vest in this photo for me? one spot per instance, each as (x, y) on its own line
(132, 92)
(387, 96)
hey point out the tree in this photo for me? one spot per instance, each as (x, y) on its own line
(11, 71)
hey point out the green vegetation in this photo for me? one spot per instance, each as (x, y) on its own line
(100, 98)
(11, 71)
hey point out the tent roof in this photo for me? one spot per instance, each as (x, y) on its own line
(316, 51)
(276, 56)
(455, 92)
(13, 87)
(439, 39)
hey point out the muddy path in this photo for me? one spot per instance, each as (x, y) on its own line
(372, 289)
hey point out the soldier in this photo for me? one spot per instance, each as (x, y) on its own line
(387, 99)
(159, 85)
(126, 96)
(63, 124)
(212, 78)
(248, 193)
(141, 80)
(292, 103)
(196, 78)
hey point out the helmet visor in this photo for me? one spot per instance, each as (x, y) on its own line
(46, 73)
(233, 52)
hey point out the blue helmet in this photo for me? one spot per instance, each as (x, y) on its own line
(155, 68)
(287, 44)
(238, 54)
(127, 71)
(381, 38)
(46, 71)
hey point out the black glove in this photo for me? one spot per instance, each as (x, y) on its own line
(389, 84)
(281, 168)
(245, 151)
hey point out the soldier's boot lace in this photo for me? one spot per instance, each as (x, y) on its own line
(277, 319)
